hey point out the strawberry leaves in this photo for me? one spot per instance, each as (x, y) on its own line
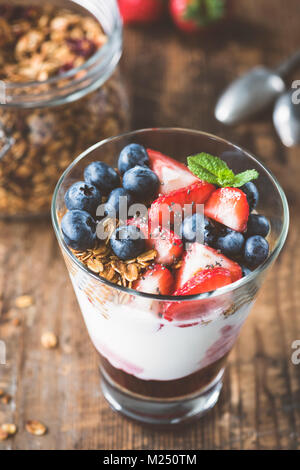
(204, 12)
(215, 171)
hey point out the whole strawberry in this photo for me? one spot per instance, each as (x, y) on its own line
(141, 11)
(193, 15)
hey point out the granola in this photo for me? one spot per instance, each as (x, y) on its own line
(36, 428)
(9, 428)
(24, 301)
(102, 261)
(37, 43)
(49, 340)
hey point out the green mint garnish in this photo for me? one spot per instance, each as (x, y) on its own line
(214, 170)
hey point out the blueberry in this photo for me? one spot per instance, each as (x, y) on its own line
(245, 270)
(210, 233)
(83, 196)
(256, 251)
(258, 225)
(103, 176)
(141, 182)
(189, 227)
(114, 206)
(79, 229)
(127, 242)
(131, 156)
(252, 194)
(193, 225)
(230, 243)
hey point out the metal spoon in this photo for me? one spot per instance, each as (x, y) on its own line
(253, 92)
(286, 119)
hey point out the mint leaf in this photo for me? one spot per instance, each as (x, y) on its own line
(211, 169)
(245, 177)
(201, 172)
(212, 164)
(215, 171)
(225, 178)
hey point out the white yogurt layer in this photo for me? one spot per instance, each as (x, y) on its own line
(134, 340)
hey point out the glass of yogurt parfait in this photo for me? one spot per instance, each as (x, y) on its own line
(163, 329)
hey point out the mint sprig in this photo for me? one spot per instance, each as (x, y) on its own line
(216, 171)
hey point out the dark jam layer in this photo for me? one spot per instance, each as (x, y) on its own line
(166, 389)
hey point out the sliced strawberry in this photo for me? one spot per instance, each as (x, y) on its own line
(230, 207)
(204, 281)
(157, 280)
(166, 207)
(200, 257)
(168, 245)
(171, 173)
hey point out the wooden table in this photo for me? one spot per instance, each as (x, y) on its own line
(174, 81)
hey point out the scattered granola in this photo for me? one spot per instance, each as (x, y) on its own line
(49, 340)
(9, 428)
(37, 43)
(24, 301)
(36, 428)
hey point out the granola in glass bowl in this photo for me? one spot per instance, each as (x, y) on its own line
(58, 98)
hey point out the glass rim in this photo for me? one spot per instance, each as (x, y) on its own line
(212, 294)
(91, 65)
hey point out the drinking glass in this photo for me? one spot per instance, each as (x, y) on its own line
(154, 370)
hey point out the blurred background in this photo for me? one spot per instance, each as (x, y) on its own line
(173, 76)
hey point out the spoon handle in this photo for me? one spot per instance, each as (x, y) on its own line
(288, 65)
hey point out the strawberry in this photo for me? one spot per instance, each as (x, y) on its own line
(192, 16)
(199, 257)
(141, 11)
(168, 245)
(165, 209)
(206, 280)
(157, 280)
(171, 173)
(230, 207)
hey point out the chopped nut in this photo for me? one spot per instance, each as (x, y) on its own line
(36, 428)
(24, 301)
(49, 340)
(9, 428)
(3, 435)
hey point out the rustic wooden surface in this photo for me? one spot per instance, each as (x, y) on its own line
(173, 81)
